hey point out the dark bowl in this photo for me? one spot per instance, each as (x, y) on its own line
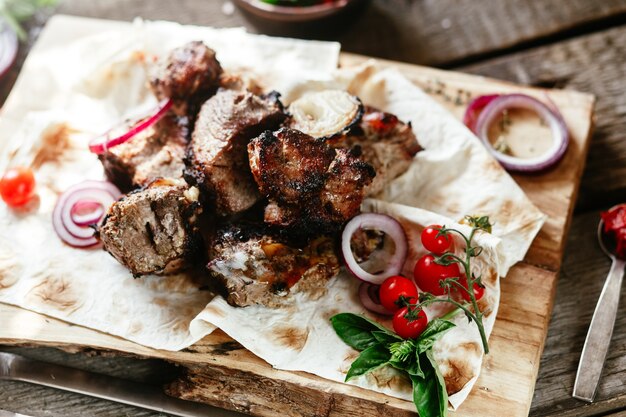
(294, 13)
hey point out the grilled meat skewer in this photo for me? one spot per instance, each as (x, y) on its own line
(217, 161)
(312, 188)
(189, 76)
(158, 152)
(256, 265)
(153, 230)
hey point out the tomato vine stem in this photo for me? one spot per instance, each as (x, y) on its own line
(470, 309)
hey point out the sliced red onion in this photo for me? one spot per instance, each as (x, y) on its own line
(79, 233)
(85, 213)
(554, 120)
(128, 130)
(474, 108)
(368, 294)
(8, 47)
(385, 224)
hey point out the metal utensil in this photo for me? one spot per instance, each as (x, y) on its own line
(601, 327)
(18, 368)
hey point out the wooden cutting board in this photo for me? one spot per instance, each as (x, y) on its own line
(221, 372)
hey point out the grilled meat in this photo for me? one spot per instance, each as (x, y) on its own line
(311, 187)
(157, 152)
(153, 230)
(386, 143)
(189, 76)
(257, 266)
(288, 165)
(217, 160)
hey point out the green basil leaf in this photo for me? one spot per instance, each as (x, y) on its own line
(371, 358)
(429, 392)
(434, 331)
(385, 338)
(414, 368)
(356, 331)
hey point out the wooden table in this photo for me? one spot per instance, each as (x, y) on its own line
(574, 44)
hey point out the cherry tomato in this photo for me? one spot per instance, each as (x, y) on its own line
(393, 288)
(478, 290)
(427, 274)
(433, 243)
(17, 186)
(409, 329)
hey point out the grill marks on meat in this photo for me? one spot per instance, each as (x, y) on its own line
(156, 153)
(217, 160)
(312, 188)
(257, 266)
(289, 164)
(386, 143)
(153, 230)
(189, 76)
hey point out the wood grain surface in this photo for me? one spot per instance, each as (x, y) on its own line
(593, 62)
(238, 380)
(421, 32)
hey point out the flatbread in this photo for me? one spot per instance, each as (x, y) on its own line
(73, 87)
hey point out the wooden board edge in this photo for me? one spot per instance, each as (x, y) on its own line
(406, 68)
(583, 96)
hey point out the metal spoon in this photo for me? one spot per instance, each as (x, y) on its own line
(601, 327)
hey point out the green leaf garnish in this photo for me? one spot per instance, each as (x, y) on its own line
(356, 331)
(370, 359)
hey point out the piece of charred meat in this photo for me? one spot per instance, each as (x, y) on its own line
(326, 115)
(256, 266)
(189, 76)
(386, 143)
(157, 152)
(153, 230)
(217, 160)
(311, 187)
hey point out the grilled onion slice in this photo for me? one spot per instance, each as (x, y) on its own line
(325, 114)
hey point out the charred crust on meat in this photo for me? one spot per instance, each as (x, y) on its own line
(383, 141)
(274, 97)
(154, 230)
(311, 187)
(189, 75)
(257, 264)
(288, 165)
(216, 159)
(156, 152)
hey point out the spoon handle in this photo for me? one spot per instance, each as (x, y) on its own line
(599, 335)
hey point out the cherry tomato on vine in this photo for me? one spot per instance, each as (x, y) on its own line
(409, 329)
(17, 186)
(478, 290)
(393, 288)
(428, 273)
(434, 243)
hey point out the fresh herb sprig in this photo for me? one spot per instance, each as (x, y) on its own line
(16, 11)
(381, 347)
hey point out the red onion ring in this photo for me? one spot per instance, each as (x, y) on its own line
(104, 142)
(557, 125)
(8, 47)
(85, 213)
(78, 233)
(391, 228)
(368, 294)
(474, 108)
